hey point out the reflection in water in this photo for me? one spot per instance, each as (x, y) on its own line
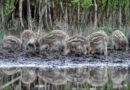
(65, 78)
(118, 75)
(1, 74)
(28, 75)
(10, 71)
(98, 76)
(77, 75)
(56, 77)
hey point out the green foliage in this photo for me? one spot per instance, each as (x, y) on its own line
(8, 6)
(102, 4)
(83, 3)
(126, 4)
(86, 3)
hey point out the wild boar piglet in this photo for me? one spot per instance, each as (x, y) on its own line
(98, 42)
(53, 41)
(29, 40)
(77, 44)
(119, 41)
(12, 43)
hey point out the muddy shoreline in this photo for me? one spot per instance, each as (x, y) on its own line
(54, 59)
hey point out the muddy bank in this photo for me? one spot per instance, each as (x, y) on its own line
(54, 59)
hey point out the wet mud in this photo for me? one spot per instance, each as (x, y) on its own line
(55, 59)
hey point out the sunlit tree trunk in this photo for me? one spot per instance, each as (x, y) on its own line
(95, 14)
(79, 26)
(20, 12)
(78, 10)
(120, 17)
(29, 15)
(66, 19)
(46, 17)
(49, 13)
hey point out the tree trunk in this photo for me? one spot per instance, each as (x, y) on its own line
(66, 19)
(35, 9)
(95, 14)
(62, 9)
(20, 12)
(1, 11)
(120, 18)
(49, 11)
(46, 15)
(41, 12)
(29, 18)
(108, 15)
(79, 27)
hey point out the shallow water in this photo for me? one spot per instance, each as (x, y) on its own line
(71, 77)
(68, 73)
(20, 71)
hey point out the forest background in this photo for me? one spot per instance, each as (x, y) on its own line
(73, 16)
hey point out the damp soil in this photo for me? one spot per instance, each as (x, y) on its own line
(17, 58)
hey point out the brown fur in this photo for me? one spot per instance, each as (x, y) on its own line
(12, 43)
(98, 42)
(119, 40)
(28, 38)
(77, 44)
(55, 40)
